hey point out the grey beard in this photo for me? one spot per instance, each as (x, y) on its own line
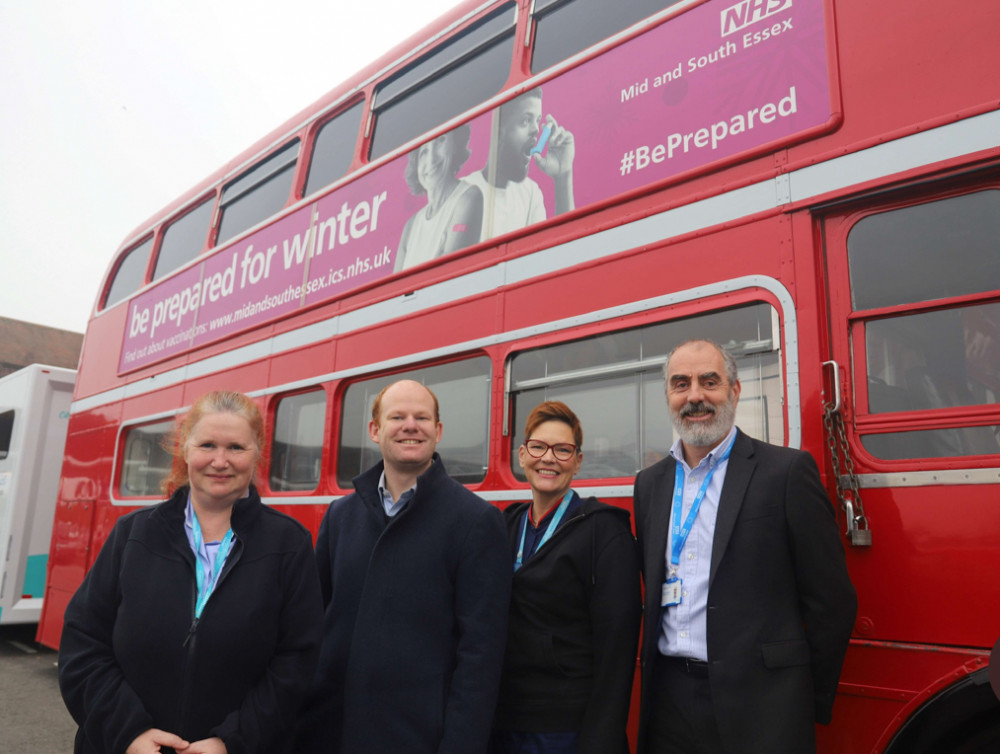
(706, 434)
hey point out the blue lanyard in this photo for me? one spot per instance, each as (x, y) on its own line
(680, 532)
(205, 590)
(553, 525)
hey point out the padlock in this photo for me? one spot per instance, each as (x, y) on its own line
(861, 537)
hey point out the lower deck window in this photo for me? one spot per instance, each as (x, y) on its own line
(146, 461)
(463, 392)
(297, 447)
(614, 384)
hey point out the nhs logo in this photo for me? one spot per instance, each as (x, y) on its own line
(749, 12)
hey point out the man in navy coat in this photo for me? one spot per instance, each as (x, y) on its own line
(415, 573)
(749, 608)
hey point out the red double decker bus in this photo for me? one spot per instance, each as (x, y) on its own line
(537, 199)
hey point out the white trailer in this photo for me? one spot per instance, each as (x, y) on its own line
(34, 415)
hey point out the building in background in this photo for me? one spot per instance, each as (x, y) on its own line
(23, 343)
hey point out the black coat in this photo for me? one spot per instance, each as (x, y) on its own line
(127, 662)
(416, 619)
(574, 629)
(781, 606)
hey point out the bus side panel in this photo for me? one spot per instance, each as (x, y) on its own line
(88, 459)
(908, 63)
(883, 684)
(464, 320)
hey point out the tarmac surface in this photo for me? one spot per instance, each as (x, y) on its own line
(33, 719)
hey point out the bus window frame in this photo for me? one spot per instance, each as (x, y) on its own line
(311, 137)
(336, 430)
(208, 243)
(152, 238)
(379, 101)
(697, 307)
(271, 418)
(117, 497)
(865, 423)
(552, 8)
(224, 203)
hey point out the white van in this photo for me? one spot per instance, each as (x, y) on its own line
(34, 415)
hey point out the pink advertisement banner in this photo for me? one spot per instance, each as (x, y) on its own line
(715, 82)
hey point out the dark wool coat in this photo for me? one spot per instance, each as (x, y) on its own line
(416, 619)
(574, 629)
(129, 660)
(780, 603)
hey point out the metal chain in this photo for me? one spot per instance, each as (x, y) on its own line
(858, 530)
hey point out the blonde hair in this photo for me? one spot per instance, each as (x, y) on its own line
(216, 402)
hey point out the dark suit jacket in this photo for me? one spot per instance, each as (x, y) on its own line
(780, 604)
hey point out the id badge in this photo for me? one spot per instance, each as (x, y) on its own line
(670, 595)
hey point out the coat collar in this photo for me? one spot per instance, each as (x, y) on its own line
(738, 472)
(366, 484)
(246, 511)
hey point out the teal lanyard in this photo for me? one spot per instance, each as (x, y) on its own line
(680, 532)
(205, 589)
(553, 525)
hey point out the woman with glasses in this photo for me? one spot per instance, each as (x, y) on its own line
(575, 607)
(198, 627)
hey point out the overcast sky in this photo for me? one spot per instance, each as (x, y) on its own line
(113, 108)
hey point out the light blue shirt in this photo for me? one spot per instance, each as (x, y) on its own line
(206, 554)
(392, 507)
(683, 631)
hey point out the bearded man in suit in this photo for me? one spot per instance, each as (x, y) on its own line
(749, 607)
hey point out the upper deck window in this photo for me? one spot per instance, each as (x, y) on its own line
(184, 239)
(564, 27)
(258, 193)
(131, 273)
(465, 71)
(333, 148)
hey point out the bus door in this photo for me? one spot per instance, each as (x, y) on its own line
(913, 286)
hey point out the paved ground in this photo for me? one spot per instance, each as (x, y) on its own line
(33, 719)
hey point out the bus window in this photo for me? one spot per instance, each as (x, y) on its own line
(146, 461)
(565, 27)
(131, 273)
(258, 193)
(297, 447)
(614, 383)
(456, 76)
(463, 392)
(933, 443)
(940, 357)
(6, 432)
(926, 252)
(333, 148)
(184, 239)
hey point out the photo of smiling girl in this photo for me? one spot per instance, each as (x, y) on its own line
(453, 215)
